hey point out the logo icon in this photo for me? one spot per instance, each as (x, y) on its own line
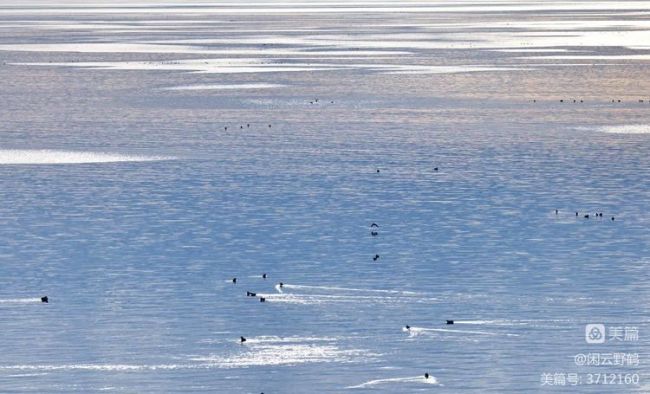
(595, 333)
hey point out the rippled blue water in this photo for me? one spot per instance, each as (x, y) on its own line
(137, 257)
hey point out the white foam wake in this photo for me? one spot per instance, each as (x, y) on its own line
(311, 299)
(227, 86)
(492, 322)
(20, 300)
(348, 289)
(307, 295)
(47, 156)
(414, 331)
(409, 379)
(626, 129)
(272, 350)
(99, 367)
(256, 351)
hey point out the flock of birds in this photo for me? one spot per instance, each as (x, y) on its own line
(582, 101)
(586, 215)
(374, 231)
(248, 125)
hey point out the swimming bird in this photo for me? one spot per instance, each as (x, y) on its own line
(408, 328)
(375, 258)
(612, 217)
(374, 225)
(587, 216)
(377, 170)
(435, 168)
(374, 233)
(262, 299)
(250, 294)
(234, 280)
(45, 299)
(281, 284)
(242, 339)
(264, 276)
(576, 214)
(225, 128)
(556, 211)
(450, 322)
(426, 375)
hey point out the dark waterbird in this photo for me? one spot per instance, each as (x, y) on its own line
(242, 339)
(250, 294)
(426, 375)
(450, 322)
(264, 276)
(376, 257)
(234, 280)
(45, 299)
(262, 299)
